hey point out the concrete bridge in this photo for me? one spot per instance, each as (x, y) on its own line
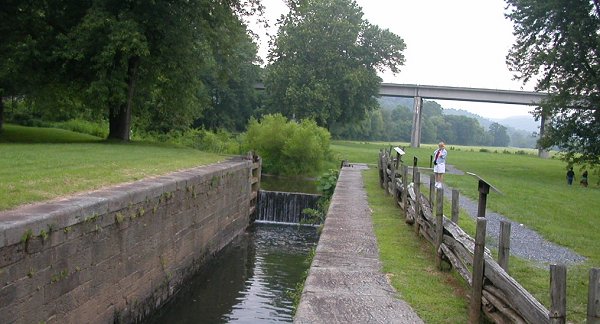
(420, 92)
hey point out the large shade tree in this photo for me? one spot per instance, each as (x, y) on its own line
(558, 45)
(324, 61)
(113, 55)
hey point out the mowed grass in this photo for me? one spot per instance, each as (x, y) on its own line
(534, 193)
(40, 164)
(437, 297)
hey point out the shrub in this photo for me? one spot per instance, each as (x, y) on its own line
(287, 147)
(484, 150)
(326, 186)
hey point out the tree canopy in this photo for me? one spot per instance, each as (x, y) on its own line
(324, 60)
(558, 46)
(161, 62)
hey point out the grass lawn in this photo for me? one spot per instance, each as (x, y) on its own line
(535, 193)
(39, 164)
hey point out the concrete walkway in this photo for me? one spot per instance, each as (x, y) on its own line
(345, 283)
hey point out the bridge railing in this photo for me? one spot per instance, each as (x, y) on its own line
(494, 292)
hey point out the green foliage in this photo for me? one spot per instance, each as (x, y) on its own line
(26, 236)
(98, 129)
(287, 147)
(43, 235)
(326, 186)
(498, 135)
(327, 183)
(155, 64)
(558, 44)
(219, 141)
(324, 62)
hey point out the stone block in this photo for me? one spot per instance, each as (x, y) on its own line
(11, 254)
(9, 314)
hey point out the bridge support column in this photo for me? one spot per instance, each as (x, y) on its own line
(415, 135)
(544, 154)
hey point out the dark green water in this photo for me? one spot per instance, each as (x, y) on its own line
(288, 184)
(248, 282)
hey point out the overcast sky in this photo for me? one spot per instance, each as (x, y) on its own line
(460, 43)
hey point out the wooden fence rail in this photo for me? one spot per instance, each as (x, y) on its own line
(494, 292)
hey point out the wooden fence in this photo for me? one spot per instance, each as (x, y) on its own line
(493, 291)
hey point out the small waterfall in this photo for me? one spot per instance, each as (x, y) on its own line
(284, 207)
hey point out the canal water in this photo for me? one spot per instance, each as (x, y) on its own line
(249, 281)
(288, 184)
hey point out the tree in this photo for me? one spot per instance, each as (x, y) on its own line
(498, 135)
(157, 56)
(558, 42)
(324, 61)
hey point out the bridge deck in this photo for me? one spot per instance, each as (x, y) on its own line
(345, 283)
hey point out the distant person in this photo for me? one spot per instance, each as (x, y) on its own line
(584, 179)
(439, 164)
(570, 176)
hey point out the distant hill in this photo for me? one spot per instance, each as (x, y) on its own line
(526, 123)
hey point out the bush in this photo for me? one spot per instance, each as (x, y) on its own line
(326, 186)
(287, 147)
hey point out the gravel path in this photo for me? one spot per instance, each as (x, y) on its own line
(524, 242)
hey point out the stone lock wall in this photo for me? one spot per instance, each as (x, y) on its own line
(117, 254)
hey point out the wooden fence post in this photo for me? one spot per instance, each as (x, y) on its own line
(405, 191)
(417, 184)
(395, 188)
(558, 294)
(455, 195)
(504, 245)
(380, 165)
(593, 307)
(484, 190)
(414, 170)
(385, 174)
(431, 190)
(439, 226)
(477, 276)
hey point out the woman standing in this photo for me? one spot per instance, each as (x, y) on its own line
(439, 164)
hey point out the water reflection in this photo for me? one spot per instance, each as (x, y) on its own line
(248, 282)
(288, 184)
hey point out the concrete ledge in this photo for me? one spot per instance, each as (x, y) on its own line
(345, 283)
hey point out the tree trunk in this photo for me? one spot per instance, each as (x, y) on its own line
(119, 118)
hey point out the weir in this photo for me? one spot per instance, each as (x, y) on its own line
(284, 207)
